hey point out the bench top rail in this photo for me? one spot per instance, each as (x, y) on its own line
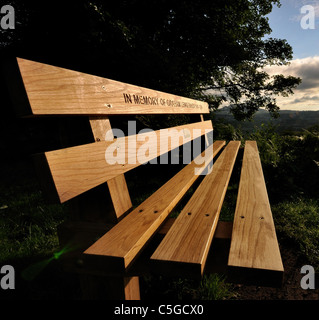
(53, 90)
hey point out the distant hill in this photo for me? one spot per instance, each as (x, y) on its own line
(289, 120)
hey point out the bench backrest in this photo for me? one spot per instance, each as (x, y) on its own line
(45, 90)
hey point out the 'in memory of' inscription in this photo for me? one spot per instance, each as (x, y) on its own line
(147, 100)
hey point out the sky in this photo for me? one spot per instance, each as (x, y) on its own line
(299, 25)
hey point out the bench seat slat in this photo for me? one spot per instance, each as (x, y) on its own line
(188, 241)
(57, 91)
(126, 239)
(254, 243)
(78, 169)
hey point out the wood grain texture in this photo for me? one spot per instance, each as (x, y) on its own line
(188, 241)
(223, 229)
(254, 242)
(206, 137)
(126, 239)
(78, 169)
(100, 126)
(132, 288)
(120, 195)
(117, 186)
(56, 91)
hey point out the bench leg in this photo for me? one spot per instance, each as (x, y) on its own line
(132, 288)
(110, 288)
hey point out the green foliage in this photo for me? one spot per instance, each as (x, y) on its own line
(211, 287)
(27, 224)
(290, 163)
(291, 169)
(214, 287)
(269, 142)
(229, 204)
(188, 48)
(298, 221)
(288, 123)
(226, 131)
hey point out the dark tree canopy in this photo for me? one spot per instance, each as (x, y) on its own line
(208, 50)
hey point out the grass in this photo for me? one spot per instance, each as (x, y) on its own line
(298, 221)
(212, 287)
(28, 232)
(27, 224)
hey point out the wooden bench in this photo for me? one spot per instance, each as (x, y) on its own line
(115, 243)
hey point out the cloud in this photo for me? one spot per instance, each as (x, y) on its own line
(306, 68)
(297, 4)
(306, 98)
(306, 95)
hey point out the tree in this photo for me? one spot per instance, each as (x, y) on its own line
(209, 50)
